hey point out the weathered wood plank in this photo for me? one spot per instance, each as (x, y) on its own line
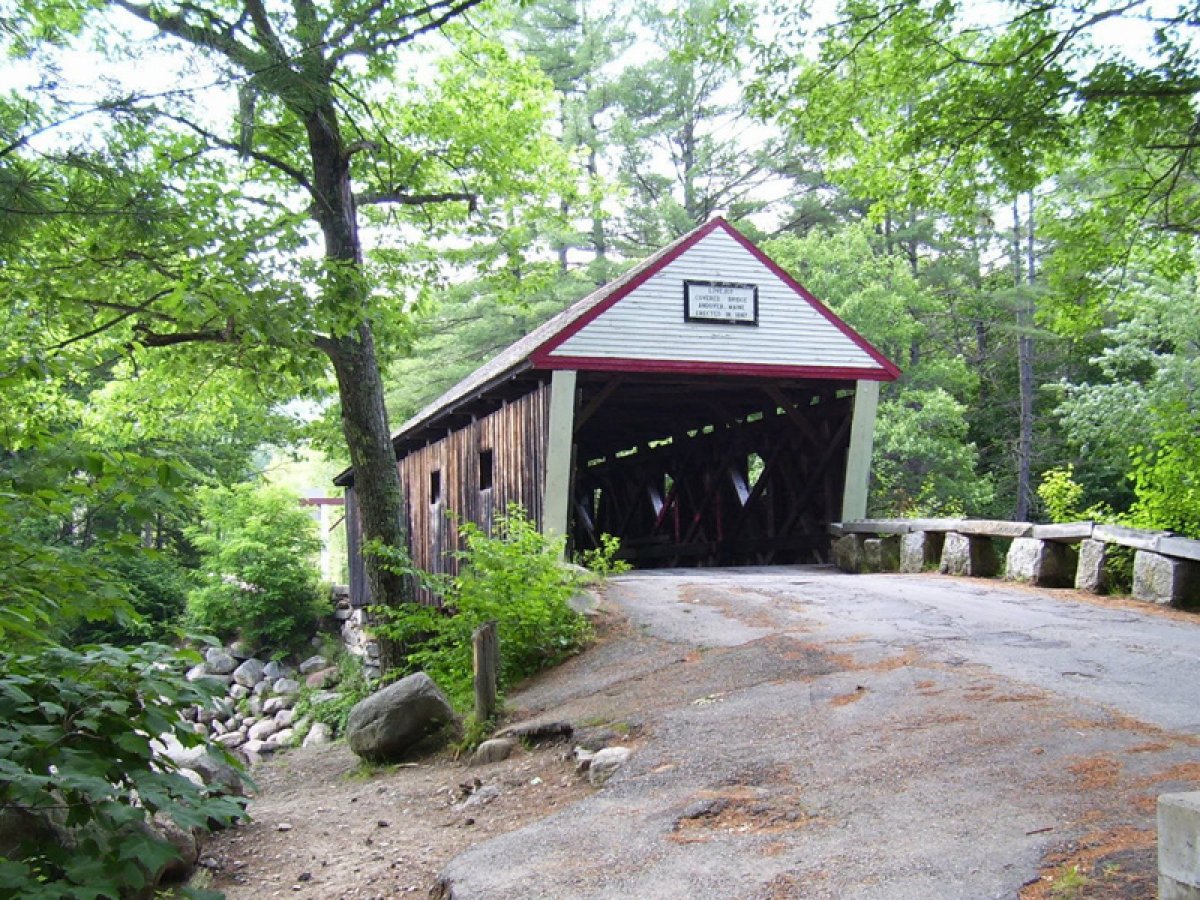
(485, 648)
(515, 433)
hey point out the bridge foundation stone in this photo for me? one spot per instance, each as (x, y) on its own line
(848, 553)
(1090, 574)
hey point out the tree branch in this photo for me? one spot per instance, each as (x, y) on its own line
(126, 312)
(147, 338)
(266, 158)
(266, 34)
(176, 25)
(452, 10)
(401, 199)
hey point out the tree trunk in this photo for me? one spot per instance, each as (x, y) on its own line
(360, 385)
(1024, 316)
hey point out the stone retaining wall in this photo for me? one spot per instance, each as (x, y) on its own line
(353, 626)
(1166, 567)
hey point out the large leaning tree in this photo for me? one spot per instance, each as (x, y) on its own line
(266, 143)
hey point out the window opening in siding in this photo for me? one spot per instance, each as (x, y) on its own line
(485, 470)
(435, 487)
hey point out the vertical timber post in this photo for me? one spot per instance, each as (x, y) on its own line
(858, 459)
(556, 501)
(485, 647)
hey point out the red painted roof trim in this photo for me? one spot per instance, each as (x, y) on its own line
(542, 359)
(684, 366)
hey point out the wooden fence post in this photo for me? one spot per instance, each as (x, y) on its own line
(485, 644)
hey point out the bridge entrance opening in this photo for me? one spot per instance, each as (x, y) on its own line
(713, 471)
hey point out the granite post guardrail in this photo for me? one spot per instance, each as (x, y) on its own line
(1166, 567)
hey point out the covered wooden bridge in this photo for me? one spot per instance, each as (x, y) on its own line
(704, 408)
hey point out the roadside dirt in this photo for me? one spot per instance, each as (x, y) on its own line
(325, 827)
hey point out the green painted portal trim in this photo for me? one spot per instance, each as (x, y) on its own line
(556, 498)
(858, 459)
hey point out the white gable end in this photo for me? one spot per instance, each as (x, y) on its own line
(649, 322)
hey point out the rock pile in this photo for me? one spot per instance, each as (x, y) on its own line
(257, 714)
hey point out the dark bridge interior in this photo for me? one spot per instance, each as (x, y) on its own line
(713, 471)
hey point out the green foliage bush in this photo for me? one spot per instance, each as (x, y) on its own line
(602, 561)
(158, 587)
(79, 780)
(257, 546)
(924, 462)
(514, 577)
(1166, 477)
(1062, 497)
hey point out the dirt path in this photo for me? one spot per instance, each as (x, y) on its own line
(326, 827)
(778, 752)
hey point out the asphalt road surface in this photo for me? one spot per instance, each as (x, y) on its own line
(798, 732)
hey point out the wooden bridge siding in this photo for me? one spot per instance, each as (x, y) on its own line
(516, 434)
(359, 595)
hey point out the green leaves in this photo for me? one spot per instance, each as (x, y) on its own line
(257, 549)
(79, 769)
(515, 577)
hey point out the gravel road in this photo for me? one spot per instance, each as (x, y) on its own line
(802, 733)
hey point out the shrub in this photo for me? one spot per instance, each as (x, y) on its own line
(514, 577)
(78, 772)
(1062, 498)
(157, 586)
(256, 547)
(602, 561)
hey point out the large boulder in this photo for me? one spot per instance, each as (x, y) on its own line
(185, 842)
(399, 720)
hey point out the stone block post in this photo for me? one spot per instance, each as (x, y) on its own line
(1044, 563)
(848, 553)
(1165, 579)
(1179, 846)
(1090, 575)
(921, 550)
(973, 555)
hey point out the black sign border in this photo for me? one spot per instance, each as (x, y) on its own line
(687, 317)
